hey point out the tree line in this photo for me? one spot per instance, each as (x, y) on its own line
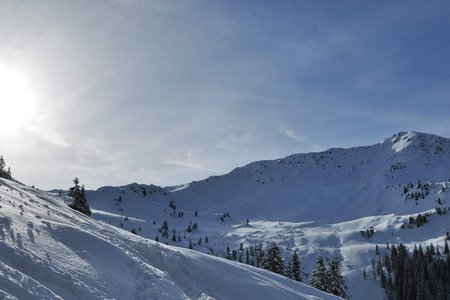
(325, 278)
(421, 274)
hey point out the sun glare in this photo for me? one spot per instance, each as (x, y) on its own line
(17, 102)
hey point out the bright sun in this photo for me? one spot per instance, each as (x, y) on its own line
(17, 102)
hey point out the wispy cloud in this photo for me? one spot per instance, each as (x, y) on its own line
(290, 133)
(49, 136)
(190, 165)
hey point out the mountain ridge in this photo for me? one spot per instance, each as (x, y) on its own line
(316, 179)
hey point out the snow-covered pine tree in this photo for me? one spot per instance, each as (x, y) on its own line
(335, 280)
(319, 276)
(4, 173)
(295, 270)
(273, 261)
(78, 195)
(165, 229)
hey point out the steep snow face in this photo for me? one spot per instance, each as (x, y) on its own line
(48, 251)
(415, 141)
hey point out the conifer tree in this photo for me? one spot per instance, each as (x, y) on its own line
(295, 269)
(4, 173)
(78, 195)
(383, 280)
(336, 285)
(273, 261)
(247, 256)
(319, 277)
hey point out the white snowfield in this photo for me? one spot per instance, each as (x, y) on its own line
(48, 251)
(315, 203)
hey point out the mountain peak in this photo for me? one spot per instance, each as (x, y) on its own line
(415, 140)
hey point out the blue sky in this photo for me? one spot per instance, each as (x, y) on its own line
(173, 91)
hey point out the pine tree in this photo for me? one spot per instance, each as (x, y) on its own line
(446, 249)
(295, 270)
(2, 164)
(247, 256)
(390, 288)
(319, 277)
(78, 195)
(165, 229)
(4, 173)
(336, 285)
(383, 280)
(190, 244)
(273, 261)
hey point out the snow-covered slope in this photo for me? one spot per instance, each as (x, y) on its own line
(48, 251)
(307, 187)
(316, 203)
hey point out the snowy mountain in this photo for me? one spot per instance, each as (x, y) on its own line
(315, 203)
(49, 251)
(307, 187)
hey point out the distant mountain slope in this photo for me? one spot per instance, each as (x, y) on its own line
(48, 251)
(315, 186)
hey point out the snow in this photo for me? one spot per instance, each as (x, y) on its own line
(48, 251)
(316, 203)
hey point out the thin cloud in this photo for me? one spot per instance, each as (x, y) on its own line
(190, 165)
(290, 133)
